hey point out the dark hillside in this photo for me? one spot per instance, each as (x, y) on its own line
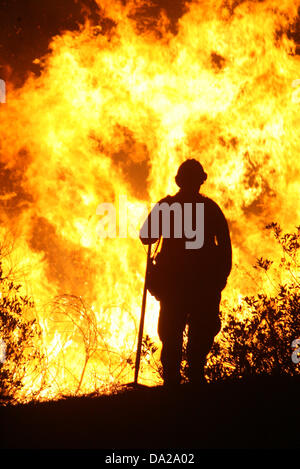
(262, 413)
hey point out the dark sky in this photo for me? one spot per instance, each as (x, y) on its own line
(26, 27)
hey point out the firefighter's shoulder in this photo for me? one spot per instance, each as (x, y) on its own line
(211, 203)
(212, 208)
(169, 199)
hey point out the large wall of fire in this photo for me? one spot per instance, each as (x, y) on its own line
(111, 109)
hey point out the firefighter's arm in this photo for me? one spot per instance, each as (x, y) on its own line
(145, 232)
(151, 230)
(224, 247)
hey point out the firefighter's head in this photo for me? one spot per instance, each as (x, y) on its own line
(190, 175)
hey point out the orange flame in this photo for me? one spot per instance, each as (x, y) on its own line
(114, 115)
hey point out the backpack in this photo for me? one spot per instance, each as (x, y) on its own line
(155, 277)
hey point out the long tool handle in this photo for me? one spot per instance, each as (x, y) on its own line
(141, 328)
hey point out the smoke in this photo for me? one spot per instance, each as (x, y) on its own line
(26, 29)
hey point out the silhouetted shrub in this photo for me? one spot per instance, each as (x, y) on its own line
(18, 335)
(261, 342)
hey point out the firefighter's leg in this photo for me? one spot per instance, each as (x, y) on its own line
(204, 325)
(171, 324)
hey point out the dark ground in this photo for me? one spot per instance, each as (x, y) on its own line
(260, 413)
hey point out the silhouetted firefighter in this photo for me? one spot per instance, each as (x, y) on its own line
(190, 272)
